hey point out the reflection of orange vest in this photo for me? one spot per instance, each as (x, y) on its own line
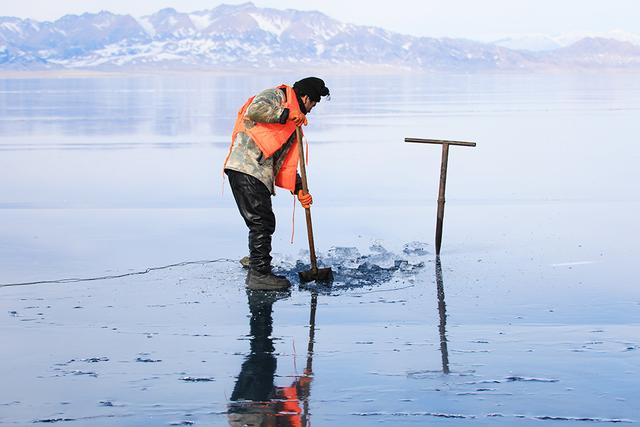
(291, 405)
(270, 137)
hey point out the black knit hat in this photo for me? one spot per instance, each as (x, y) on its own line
(313, 87)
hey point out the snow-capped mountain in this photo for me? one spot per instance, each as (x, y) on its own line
(532, 42)
(595, 51)
(543, 42)
(244, 35)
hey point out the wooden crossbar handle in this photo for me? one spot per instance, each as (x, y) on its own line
(440, 141)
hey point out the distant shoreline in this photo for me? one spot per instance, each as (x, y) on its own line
(324, 70)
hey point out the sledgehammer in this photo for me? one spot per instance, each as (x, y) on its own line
(317, 274)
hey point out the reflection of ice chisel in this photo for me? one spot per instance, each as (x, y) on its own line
(305, 382)
(317, 274)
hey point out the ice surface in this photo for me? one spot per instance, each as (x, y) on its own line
(530, 315)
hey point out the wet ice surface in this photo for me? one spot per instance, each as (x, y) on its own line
(530, 317)
(430, 344)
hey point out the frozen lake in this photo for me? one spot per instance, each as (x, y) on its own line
(531, 315)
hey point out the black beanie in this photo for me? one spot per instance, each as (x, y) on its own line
(313, 87)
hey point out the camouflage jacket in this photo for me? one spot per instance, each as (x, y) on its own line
(245, 155)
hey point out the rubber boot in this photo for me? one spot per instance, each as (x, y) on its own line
(259, 281)
(245, 262)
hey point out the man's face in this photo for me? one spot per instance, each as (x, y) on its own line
(308, 104)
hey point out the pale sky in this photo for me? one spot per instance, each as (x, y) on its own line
(475, 19)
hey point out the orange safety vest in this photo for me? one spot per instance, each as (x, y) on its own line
(270, 137)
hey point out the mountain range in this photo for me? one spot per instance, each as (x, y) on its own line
(241, 36)
(543, 42)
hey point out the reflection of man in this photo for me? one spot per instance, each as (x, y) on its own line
(256, 400)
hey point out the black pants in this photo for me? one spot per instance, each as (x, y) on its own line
(254, 203)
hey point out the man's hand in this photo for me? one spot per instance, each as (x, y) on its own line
(305, 199)
(298, 118)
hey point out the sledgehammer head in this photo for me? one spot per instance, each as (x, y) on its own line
(317, 274)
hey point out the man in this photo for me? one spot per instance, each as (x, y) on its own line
(264, 154)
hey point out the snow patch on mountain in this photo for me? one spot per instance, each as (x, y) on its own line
(11, 26)
(273, 26)
(146, 24)
(201, 20)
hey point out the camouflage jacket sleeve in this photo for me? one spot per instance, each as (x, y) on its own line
(267, 106)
